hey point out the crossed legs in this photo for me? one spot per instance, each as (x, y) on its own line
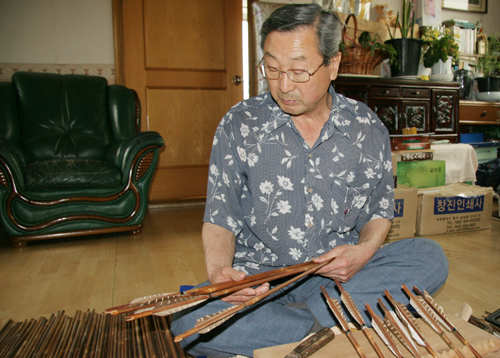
(275, 321)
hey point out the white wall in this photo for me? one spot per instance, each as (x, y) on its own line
(56, 31)
(491, 21)
(81, 31)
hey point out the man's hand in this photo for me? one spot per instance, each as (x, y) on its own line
(227, 273)
(349, 259)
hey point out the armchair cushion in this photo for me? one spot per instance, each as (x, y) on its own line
(72, 173)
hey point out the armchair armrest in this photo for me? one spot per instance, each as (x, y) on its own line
(122, 153)
(13, 158)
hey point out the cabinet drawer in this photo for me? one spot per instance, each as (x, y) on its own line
(384, 91)
(416, 93)
(485, 112)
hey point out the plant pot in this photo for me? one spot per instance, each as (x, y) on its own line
(408, 56)
(488, 84)
(442, 71)
(488, 89)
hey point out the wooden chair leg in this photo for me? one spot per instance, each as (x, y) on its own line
(18, 244)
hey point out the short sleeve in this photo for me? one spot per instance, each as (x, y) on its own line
(225, 182)
(381, 203)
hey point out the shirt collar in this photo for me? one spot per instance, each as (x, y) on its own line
(335, 122)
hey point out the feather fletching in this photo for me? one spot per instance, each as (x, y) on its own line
(384, 339)
(337, 311)
(395, 326)
(431, 312)
(349, 303)
(209, 322)
(411, 323)
(351, 307)
(176, 305)
(154, 298)
(383, 332)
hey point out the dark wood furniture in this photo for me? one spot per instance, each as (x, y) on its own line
(430, 106)
(479, 113)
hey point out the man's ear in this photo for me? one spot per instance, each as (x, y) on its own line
(334, 65)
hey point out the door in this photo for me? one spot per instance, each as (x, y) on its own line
(416, 114)
(181, 57)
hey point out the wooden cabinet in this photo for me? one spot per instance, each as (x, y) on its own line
(431, 107)
(479, 113)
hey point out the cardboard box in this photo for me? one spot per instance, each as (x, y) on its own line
(453, 208)
(422, 174)
(405, 213)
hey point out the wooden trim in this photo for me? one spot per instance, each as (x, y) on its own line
(476, 123)
(20, 241)
(118, 40)
(233, 48)
(252, 54)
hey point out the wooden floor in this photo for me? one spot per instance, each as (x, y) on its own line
(105, 271)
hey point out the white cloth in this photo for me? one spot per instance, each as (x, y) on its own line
(461, 161)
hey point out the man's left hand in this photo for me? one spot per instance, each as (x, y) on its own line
(349, 259)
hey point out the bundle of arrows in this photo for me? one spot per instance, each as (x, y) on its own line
(398, 325)
(168, 303)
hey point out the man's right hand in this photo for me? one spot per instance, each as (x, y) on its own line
(227, 273)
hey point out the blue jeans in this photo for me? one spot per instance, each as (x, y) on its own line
(274, 321)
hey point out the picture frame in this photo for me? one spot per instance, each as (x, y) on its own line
(480, 6)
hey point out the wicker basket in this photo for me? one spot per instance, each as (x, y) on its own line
(356, 59)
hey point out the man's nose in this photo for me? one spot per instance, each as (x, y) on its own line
(285, 84)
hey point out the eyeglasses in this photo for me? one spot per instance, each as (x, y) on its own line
(295, 75)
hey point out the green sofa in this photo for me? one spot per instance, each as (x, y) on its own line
(72, 158)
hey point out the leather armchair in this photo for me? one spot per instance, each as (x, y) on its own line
(72, 159)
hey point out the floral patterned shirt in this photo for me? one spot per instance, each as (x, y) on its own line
(287, 202)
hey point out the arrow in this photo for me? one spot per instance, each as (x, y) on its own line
(152, 301)
(440, 312)
(354, 311)
(426, 313)
(411, 323)
(337, 311)
(396, 327)
(383, 332)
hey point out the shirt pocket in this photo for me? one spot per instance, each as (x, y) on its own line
(355, 199)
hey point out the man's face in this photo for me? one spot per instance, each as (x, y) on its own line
(298, 49)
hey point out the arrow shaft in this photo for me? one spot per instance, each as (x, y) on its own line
(372, 342)
(250, 302)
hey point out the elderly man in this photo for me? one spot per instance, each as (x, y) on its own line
(298, 174)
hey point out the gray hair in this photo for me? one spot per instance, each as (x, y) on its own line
(290, 17)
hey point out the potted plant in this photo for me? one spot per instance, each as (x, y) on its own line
(407, 47)
(489, 65)
(363, 53)
(440, 51)
(439, 46)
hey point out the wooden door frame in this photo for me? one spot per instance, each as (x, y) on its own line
(118, 40)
